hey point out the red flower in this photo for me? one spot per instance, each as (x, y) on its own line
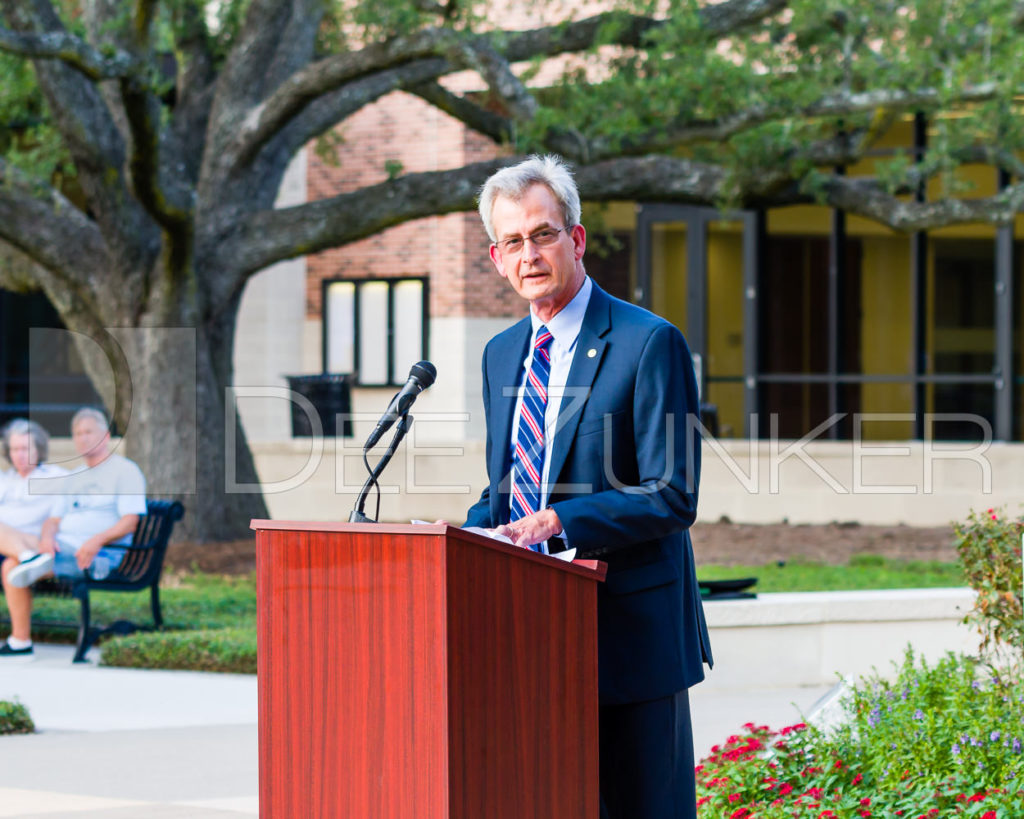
(977, 797)
(839, 764)
(826, 814)
(866, 801)
(734, 797)
(858, 779)
(742, 813)
(989, 814)
(785, 789)
(703, 800)
(864, 812)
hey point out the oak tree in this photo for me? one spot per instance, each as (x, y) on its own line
(143, 144)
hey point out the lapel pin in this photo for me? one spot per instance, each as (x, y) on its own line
(591, 352)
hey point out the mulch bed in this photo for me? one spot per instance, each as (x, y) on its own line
(721, 543)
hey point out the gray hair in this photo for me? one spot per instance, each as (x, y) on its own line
(513, 182)
(90, 412)
(22, 426)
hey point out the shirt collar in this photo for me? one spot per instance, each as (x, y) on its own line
(566, 324)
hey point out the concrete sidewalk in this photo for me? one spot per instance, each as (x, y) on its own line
(126, 743)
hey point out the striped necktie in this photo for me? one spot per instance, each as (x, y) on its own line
(528, 456)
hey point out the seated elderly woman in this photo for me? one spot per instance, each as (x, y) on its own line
(26, 447)
(22, 511)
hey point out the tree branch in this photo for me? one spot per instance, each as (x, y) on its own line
(300, 90)
(276, 42)
(333, 108)
(193, 85)
(492, 125)
(142, 19)
(272, 236)
(44, 225)
(865, 197)
(91, 136)
(73, 51)
(832, 105)
(497, 73)
(168, 203)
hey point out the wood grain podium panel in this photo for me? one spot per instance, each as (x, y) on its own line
(421, 672)
(522, 688)
(352, 668)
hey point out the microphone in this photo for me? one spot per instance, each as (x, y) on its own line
(421, 376)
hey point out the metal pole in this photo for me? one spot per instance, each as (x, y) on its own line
(919, 285)
(836, 278)
(1004, 327)
(753, 233)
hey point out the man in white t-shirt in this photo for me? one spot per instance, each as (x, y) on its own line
(97, 509)
(25, 446)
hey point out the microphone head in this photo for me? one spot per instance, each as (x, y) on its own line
(424, 372)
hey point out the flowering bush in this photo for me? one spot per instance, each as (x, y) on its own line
(990, 550)
(938, 741)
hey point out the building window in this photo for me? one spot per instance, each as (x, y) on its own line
(375, 328)
(41, 374)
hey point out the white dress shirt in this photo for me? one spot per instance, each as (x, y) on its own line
(564, 327)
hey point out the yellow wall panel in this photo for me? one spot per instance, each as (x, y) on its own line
(886, 333)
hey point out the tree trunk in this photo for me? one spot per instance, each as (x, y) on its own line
(172, 414)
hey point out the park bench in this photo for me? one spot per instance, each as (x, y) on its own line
(737, 589)
(141, 567)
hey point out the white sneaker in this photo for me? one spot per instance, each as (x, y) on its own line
(29, 571)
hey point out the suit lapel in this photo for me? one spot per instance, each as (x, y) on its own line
(505, 373)
(590, 347)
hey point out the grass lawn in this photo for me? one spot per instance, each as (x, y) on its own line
(865, 571)
(190, 601)
(210, 620)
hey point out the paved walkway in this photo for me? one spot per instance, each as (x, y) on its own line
(118, 743)
(129, 744)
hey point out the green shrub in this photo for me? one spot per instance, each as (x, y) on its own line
(938, 741)
(225, 649)
(14, 718)
(990, 551)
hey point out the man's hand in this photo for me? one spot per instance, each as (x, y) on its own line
(88, 551)
(535, 528)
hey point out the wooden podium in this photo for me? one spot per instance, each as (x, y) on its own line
(423, 672)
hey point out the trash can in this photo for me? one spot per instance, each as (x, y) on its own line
(331, 395)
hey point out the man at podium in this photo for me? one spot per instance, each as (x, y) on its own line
(591, 444)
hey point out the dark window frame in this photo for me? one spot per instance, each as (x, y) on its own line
(390, 281)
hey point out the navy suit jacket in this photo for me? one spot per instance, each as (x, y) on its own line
(624, 471)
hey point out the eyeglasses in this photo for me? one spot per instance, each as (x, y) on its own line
(541, 238)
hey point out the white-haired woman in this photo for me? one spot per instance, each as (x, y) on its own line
(24, 503)
(26, 446)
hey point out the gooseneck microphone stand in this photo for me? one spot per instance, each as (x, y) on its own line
(357, 515)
